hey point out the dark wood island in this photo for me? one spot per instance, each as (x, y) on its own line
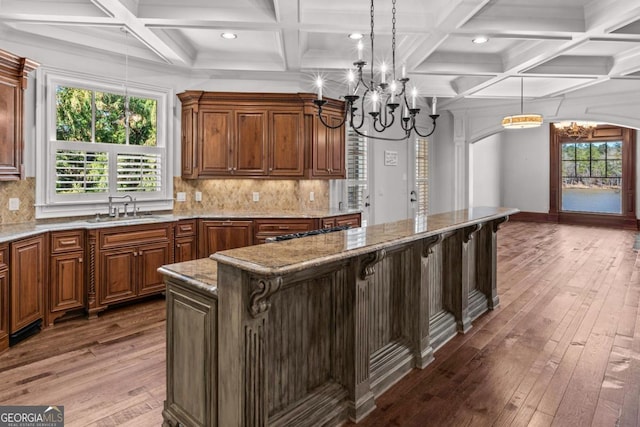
(310, 331)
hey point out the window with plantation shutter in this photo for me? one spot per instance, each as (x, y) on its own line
(101, 141)
(356, 170)
(422, 175)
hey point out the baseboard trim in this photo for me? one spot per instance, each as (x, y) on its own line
(578, 219)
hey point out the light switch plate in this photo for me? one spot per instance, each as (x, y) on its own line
(181, 196)
(312, 196)
(14, 204)
(256, 196)
(198, 196)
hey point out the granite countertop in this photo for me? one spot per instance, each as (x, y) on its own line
(289, 256)
(201, 274)
(9, 232)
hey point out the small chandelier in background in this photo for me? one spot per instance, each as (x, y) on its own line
(575, 130)
(522, 120)
(386, 99)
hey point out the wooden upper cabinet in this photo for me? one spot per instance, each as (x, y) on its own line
(13, 82)
(286, 143)
(256, 135)
(250, 145)
(215, 145)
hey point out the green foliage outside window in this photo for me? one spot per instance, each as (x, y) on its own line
(75, 109)
(592, 163)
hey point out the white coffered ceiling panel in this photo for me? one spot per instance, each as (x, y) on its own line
(560, 46)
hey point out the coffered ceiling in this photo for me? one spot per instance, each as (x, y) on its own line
(558, 46)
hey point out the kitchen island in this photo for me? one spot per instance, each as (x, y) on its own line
(310, 331)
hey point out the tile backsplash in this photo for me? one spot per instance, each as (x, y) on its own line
(238, 194)
(217, 194)
(25, 192)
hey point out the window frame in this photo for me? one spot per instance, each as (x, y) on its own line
(48, 203)
(603, 133)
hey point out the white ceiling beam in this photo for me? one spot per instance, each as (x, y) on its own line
(288, 13)
(120, 12)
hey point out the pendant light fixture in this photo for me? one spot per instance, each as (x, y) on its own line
(522, 120)
(386, 100)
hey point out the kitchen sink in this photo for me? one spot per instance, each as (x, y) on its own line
(110, 219)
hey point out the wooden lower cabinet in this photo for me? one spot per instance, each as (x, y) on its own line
(4, 296)
(352, 220)
(272, 227)
(27, 274)
(66, 290)
(186, 248)
(127, 259)
(216, 235)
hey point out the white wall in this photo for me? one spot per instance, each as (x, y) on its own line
(441, 171)
(525, 169)
(485, 172)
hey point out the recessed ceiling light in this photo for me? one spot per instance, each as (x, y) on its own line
(229, 36)
(355, 36)
(480, 39)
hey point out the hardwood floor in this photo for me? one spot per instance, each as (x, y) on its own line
(562, 349)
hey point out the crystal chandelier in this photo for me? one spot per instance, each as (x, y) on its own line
(575, 130)
(522, 120)
(386, 99)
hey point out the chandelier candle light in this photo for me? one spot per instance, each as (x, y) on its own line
(384, 97)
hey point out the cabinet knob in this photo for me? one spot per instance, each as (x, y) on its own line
(80, 259)
(135, 254)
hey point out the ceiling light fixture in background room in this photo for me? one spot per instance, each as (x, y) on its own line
(522, 120)
(229, 36)
(386, 99)
(575, 130)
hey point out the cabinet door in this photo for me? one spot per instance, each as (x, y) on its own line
(27, 273)
(10, 130)
(117, 281)
(4, 307)
(328, 222)
(286, 143)
(222, 235)
(336, 148)
(215, 142)
(188, 144)
(66, 285)
(328, 148)
(251, 143)
(185, 249)
(150, 258)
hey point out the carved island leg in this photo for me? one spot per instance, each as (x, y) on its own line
(423, 348)
(359, 386)
(491, 288)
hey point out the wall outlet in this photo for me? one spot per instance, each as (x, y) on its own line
(312, 196)
(256, 196)
(198, 196)
(181, 196)
(14, 204)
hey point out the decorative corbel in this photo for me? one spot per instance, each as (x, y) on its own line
(368, 265)
(259, 299)
(496, 224)
(468, 232)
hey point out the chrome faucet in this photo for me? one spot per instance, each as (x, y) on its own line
(113, 211)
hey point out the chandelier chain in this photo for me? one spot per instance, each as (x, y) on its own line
(393, 38)
(371, 35)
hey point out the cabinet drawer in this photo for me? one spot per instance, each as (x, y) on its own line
(283, 226)
(133, 235)
(186, 228)
(65, 241)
